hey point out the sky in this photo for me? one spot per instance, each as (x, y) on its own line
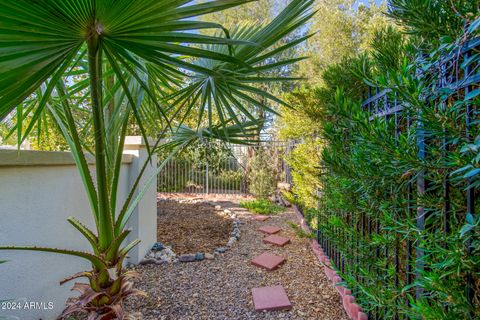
(367, 1)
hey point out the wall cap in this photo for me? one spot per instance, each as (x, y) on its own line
(15, 158)
(137, 142)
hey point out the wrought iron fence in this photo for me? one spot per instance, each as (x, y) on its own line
(236, 170)
(403, 255)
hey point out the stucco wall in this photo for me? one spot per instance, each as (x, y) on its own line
(38, 191)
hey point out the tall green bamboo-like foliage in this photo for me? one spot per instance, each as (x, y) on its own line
(118, 61)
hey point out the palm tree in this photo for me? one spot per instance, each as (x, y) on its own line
(96, 66)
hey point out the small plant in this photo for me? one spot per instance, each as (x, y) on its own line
(262, 206)
(290, 197)
(299, 231)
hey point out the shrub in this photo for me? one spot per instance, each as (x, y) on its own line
(262, 173)
(372, 165)
(262, 206)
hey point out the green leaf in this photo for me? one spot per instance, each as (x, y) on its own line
(472, 173)
(472, 94)
(96, 261)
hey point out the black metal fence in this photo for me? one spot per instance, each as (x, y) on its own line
(403, 256)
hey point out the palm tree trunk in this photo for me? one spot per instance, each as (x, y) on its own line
(105, 225)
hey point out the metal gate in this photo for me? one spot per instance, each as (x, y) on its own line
(232, 171)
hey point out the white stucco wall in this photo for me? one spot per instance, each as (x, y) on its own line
(38, 191)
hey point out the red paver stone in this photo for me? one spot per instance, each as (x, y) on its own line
(269, 229)
(261, 218)
(276, 240)
(270, 298)
(268, 261)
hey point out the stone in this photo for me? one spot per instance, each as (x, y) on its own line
(276, 240)
(209, 256)
(148, 261)
(260, 218)
(217, 207)
(135, 316)
(270, 298)
(187, 258)
(168, 252)
(158, 246)
(199, 256)
(221, 250)
(269, 229)
(268, 261)
(227, 211)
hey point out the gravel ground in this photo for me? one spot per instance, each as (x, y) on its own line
(221, 288)
(191, 227)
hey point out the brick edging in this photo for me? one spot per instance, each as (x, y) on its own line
(353, 310)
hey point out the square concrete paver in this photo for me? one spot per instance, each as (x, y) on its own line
(276, 240)
(268, 261)
(261, 218)
(269, 229)
(270, 298)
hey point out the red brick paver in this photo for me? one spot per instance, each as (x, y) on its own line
(270, 298)
(276, 240)
(261, 218)
(268, 261)
(269, 229)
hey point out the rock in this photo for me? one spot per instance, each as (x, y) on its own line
(187, 258)
(158, 246)
(199, 256)
(169, 252)
(217, 207)
(221, 250)
(227, 211)
(135, 316)
(284, 186)
(148, 261)
(209, 256)
(167, 259)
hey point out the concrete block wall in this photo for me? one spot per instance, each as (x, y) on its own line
(38, 192)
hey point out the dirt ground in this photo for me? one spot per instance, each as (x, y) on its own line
(191, 227)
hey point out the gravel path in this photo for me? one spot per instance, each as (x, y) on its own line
(221, 288)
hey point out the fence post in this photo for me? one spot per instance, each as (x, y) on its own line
(206, 180)
(469, 121)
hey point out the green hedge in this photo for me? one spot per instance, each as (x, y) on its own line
(369, 197)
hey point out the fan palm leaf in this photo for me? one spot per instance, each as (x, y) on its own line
(117, 61)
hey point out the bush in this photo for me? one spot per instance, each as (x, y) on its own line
(262, 206)
(369, 201)
(262, 173)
